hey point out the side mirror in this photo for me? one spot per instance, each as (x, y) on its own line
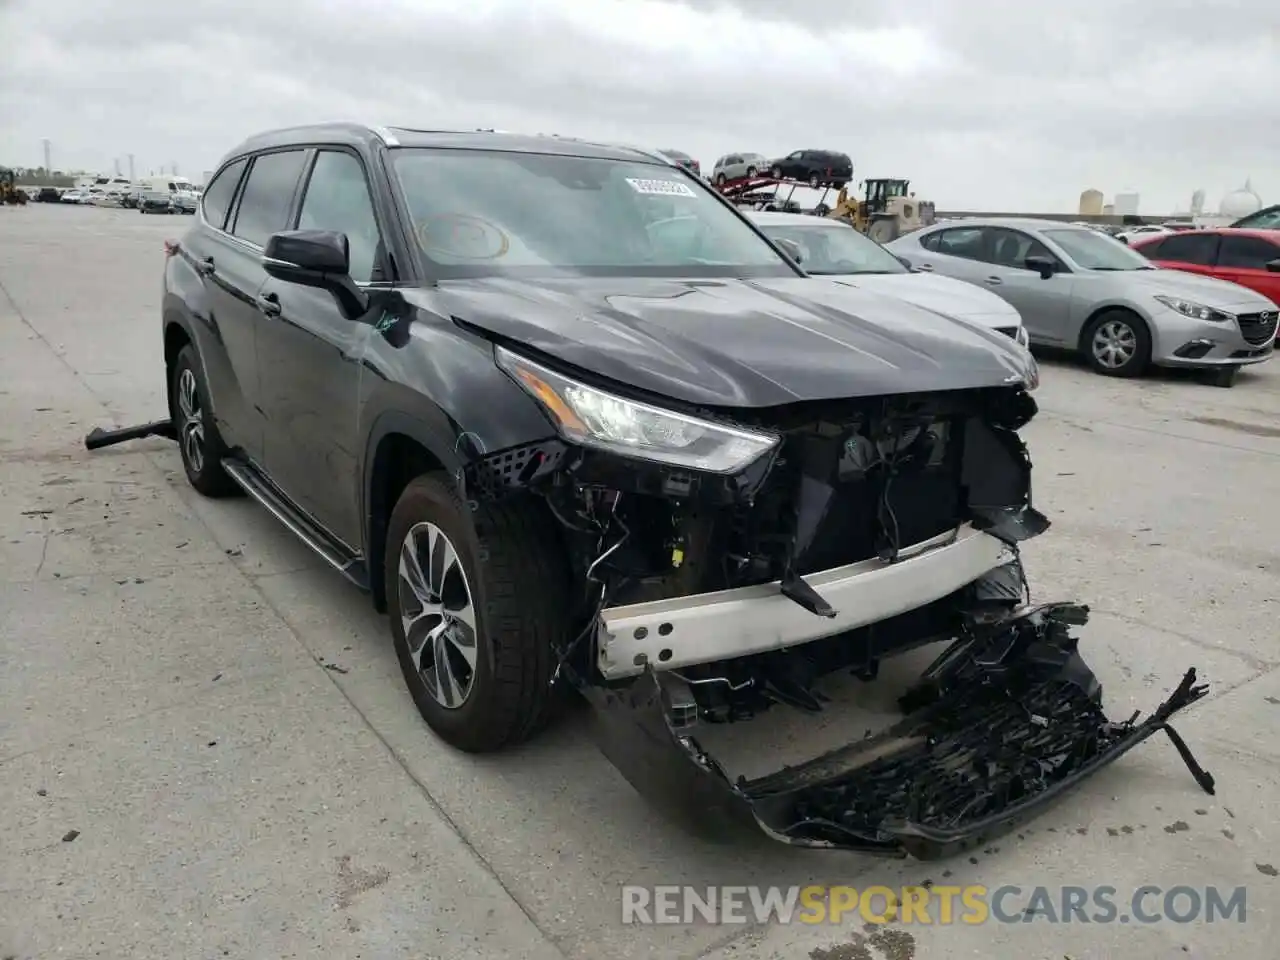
(1273, 265)
(1042, 265)
(316, 258)
(308, 257)
(791, 249)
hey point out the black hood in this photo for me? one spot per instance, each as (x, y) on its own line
(737, 343)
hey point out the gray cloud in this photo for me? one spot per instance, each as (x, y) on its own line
(982, 104)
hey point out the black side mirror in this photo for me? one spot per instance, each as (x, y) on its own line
(1274, 265)
(316, 258)
(791, 249)
(1042, 265)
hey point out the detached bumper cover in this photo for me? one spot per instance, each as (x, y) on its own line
(1006, 721)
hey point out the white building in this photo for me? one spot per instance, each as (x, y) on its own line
(1125, 204)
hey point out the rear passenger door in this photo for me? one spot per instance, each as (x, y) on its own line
(228, 353)
(310, 353)
(234, 271)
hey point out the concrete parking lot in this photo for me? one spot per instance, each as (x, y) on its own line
(206, 748)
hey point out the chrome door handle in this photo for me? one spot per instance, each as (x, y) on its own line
(269, 304)
(994, 281)
(926, 267)
(204, 266)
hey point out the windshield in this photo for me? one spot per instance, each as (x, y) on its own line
(1096, 251)
(1267, 219)
(835, 249)
(488, 213)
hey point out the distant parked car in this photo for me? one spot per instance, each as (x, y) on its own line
(819, 168)
(733, 166)
(153, 201)
(1130, 234)
(682, 159)
(1078, 289)
(184, 201)
(1268, 218)
(73, 196)
(48, 195)
(833, 248)
(1250, 258)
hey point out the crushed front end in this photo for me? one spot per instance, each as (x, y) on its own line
(861, 529)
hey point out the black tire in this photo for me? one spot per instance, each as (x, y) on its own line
(204, 471)
(1138, 360)
(1223, 376)
(720, 179)
(517, 580)
(751, 173)
(776, 173)
(815, 181)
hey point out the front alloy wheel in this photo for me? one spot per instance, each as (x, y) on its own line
(437, 614)
(1117, 344)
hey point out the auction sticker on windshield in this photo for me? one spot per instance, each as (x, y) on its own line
(661, 188)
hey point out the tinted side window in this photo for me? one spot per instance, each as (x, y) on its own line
(963, 242)
(1012, 247)
(1197, 248)
(264, 205)
(221, 191)
(930, 242)
(337, 199)
(1152, 250)
(1246, 253)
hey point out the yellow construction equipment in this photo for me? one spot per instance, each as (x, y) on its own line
(9, 193)
(886, 211)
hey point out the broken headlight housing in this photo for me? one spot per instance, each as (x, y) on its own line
(592, 417)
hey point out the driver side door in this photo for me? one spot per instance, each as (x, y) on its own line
(1044, 303)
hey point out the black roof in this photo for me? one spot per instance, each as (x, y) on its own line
(352, 133)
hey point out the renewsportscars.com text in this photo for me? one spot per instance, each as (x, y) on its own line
(940, 905)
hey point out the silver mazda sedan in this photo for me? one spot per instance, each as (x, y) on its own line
(1080, 289)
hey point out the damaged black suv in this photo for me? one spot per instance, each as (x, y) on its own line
(573, 421)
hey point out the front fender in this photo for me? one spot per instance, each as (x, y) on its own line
(425, 379)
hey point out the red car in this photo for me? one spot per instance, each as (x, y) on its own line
(1248, 257)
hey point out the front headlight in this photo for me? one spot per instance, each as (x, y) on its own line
(594, 418)
(1196, 311)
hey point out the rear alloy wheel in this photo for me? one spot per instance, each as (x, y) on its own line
(720, 179)
(1117, 344)
(815, 181)
(751, 172)
(477, 595)
(198, 440)
(776, 173)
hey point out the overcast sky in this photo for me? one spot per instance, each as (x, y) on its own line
(984, 104)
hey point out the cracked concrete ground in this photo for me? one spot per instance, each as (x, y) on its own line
(220, 722)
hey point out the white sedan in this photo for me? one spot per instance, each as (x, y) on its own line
(833, 248)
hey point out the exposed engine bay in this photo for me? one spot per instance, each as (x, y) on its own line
(874, 527)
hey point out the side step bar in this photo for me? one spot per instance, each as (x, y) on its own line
(335, 553)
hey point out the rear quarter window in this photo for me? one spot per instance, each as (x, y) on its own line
(216, 202)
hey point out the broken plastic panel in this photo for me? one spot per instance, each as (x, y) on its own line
(1009, 719)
